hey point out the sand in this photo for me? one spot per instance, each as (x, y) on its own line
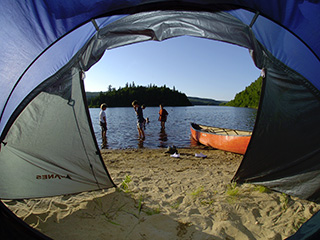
(161, 197)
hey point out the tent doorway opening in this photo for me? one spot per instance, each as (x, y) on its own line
(196, 67)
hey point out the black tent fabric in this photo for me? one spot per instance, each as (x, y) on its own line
(13, 228)
(286, 136)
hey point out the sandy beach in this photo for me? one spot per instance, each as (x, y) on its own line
(162, 197)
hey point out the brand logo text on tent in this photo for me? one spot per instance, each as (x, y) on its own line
(51, 176)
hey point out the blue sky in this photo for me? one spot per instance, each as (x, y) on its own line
(197, 67)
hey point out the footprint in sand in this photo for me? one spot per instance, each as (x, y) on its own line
(145, 179)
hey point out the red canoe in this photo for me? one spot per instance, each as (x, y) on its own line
(221, 138)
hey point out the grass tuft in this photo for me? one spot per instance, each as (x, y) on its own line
(262, 189)
(284, 199)
(197, 192)
(125, 184)
(232, 189)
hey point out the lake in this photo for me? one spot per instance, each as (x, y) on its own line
(122, 124)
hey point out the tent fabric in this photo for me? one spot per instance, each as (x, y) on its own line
(284, 151)
(42, 24)
(132, 29)
(56, 164)
(287, 47)
(310, 230)
(14, 228)
(47, 142)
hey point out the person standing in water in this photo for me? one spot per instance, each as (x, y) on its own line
(146, 120)
(162, 116)
(140, 119)
(103, 124)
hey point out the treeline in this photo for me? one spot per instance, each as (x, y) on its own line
(249, 97)
(150, 96)
(204, 101)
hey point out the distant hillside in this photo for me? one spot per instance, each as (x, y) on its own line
(193, 100)
(151, 96)
(249, 97)
(204, 101)
(90, 95)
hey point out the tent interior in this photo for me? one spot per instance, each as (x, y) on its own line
(283, 153)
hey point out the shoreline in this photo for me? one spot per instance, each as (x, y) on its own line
(162, 197)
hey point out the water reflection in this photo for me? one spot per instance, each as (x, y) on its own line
(105, 145)
(163, 137)
(140, 143)
(122, 129)
(193, 142)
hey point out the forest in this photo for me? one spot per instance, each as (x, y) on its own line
(249, 97)
(205, 101)
(153, 96)
(150, 96)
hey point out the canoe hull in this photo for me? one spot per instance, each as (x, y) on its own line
(235, 143)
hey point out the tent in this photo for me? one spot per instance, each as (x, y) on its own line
(47, 141)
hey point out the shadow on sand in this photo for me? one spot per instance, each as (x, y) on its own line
(116, 215)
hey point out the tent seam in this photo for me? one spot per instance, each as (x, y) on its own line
(84, 147)
(93, 21)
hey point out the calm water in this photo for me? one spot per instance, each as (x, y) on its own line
(122, 129)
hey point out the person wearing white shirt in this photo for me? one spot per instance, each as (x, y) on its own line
(103, 124)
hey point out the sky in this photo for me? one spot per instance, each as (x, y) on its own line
(197, 67)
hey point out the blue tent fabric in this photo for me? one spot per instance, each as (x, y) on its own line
(46, 45)
(51, 20)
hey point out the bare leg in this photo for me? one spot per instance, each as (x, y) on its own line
(141, 133)
(104, 138)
